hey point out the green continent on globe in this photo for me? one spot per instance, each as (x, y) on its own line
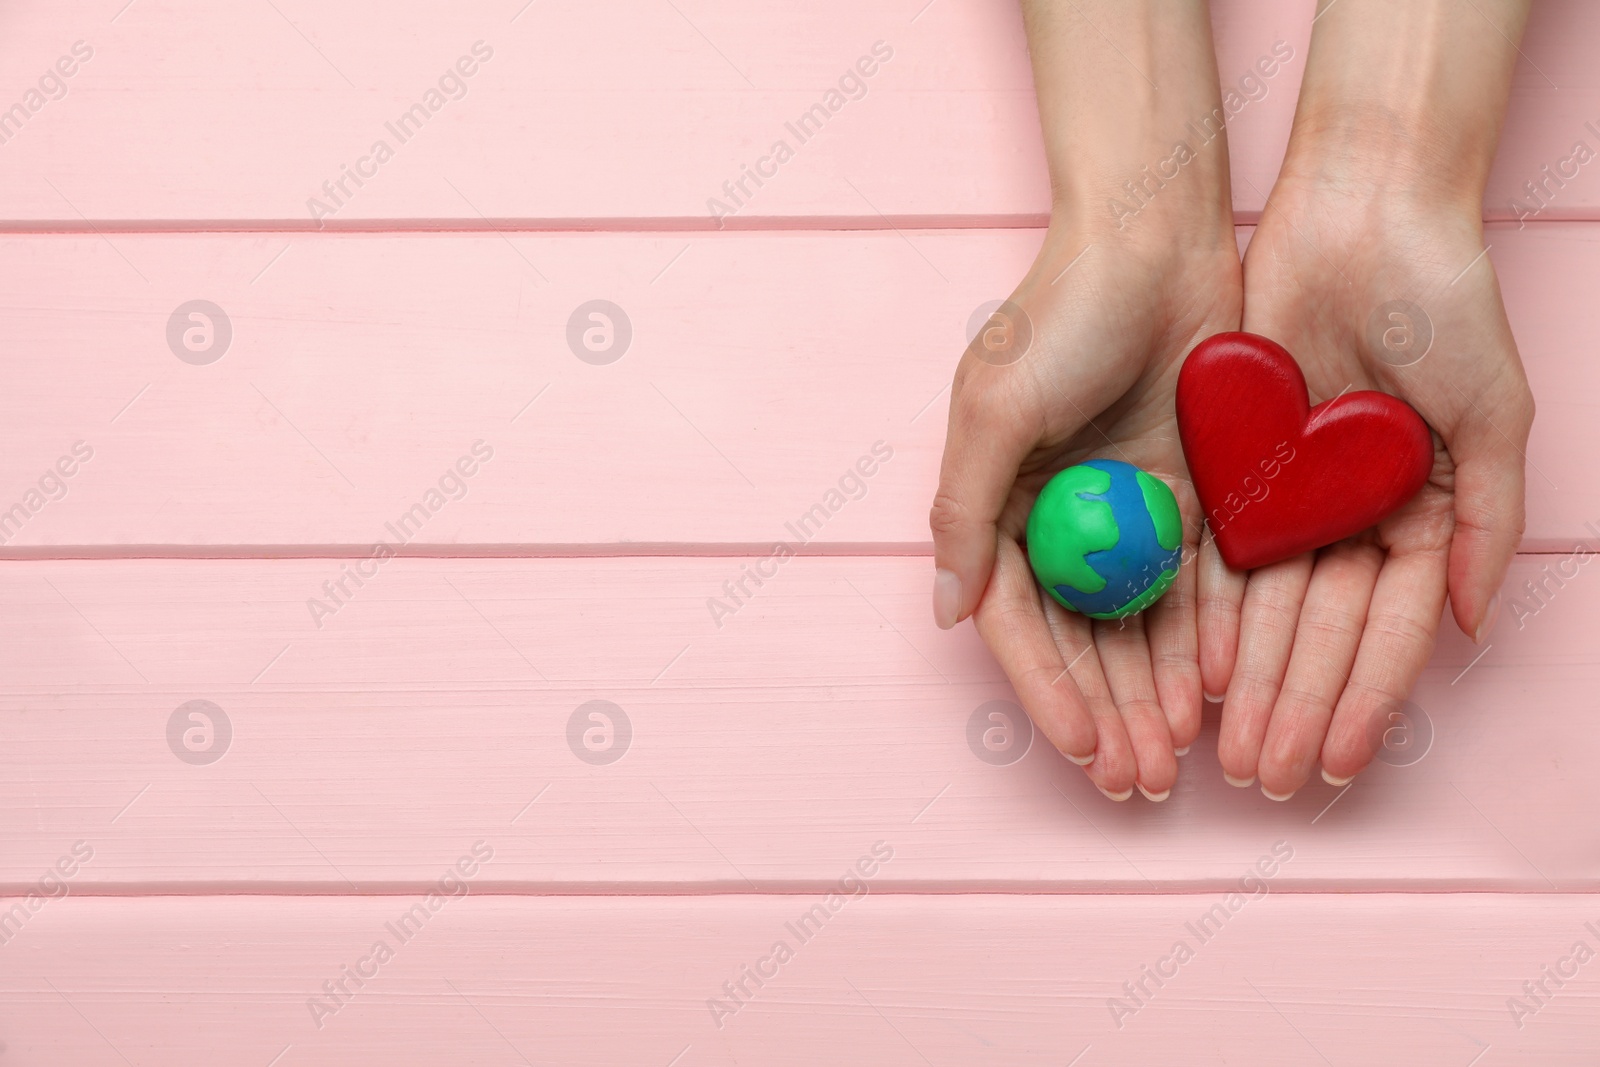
(1105, 538)
(1163, 508)
(1063, 528)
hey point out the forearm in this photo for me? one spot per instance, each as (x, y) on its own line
(1407, 97)
(1129, 102)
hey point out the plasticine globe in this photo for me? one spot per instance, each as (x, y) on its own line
(1104, 538)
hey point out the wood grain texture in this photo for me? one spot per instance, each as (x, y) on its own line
(1283, 978)
(166, 907)
(434, 707)
(191, 113)
(761, 369)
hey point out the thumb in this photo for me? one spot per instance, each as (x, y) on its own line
(988, 437)
(1489, 455)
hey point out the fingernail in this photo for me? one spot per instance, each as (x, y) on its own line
(1279, 797)
(1118, 797)
(1082, 761)
(1184, 751)
(946, 598)
(1489, 619)
(1154, 797)
(1210, 698)
(1331, 780)
(1240, 783)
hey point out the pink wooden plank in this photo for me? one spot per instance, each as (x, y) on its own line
(361, 368)
(760, 369)
(191, 112)
(1282, 978)
(437, 705)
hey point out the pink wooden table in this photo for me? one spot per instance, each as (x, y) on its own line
(381, 676)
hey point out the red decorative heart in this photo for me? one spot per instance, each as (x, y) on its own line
(1277, 477)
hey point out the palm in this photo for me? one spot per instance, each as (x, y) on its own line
(1370, 293)
(1098, 381)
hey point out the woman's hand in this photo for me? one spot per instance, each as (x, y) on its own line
(1140, 263)
(1110, 317)
(1314, 653)
(1369, 266)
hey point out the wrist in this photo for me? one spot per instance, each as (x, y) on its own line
(1158, 184)
(1151, 216)
(1406, 99)
(1191, 266)
(1131, 113)
(1367, 148)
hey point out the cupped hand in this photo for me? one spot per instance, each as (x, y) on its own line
(1370, 288)
(1107, 319)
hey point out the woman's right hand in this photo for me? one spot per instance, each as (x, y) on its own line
(1082, 365)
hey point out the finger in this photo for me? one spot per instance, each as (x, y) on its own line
(1012, 623)
(1325, 643)
(1125, 659)
(1267, 619)
(1220, 595)
(986, 441)
(1114, 769)
(1174, 656)
(1489, 487)
(1402, 622)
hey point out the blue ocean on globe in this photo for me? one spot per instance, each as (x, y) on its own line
(1137, 560)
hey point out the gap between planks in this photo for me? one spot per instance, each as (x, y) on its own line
(618, 225)
(1207, 888)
